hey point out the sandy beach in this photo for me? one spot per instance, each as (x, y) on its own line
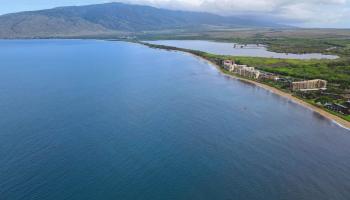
(341, 122)
(338, 120)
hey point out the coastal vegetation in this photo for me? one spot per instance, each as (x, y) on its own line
(281, 40)
(336, 72)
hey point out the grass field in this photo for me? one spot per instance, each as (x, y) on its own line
(328, 41)
(336, 72)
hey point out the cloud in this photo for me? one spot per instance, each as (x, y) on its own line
(306, 11)
(321, 13)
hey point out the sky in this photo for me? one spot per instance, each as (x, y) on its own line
(305, 13)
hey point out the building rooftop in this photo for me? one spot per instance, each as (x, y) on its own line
(308, 80)
(342, 106)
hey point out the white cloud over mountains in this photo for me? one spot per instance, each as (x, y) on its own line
(316, 13)
(310, 12)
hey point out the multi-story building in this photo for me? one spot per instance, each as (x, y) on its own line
(228, 65)
(309, 85)
(242, 70)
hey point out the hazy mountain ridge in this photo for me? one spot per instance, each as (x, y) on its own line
(108, 19)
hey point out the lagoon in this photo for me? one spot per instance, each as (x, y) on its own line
(233, 49)
(86, 119)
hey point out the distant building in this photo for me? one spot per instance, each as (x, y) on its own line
(228, 62)
(347, 104)
(242, 70)
(285, 82)
(268, 76)
(228, 65)
(343, 109)
(309, 85)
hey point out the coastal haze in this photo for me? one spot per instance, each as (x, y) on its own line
(163, 99)
(100, 124)
(113, 20)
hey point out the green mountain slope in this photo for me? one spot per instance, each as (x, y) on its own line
(108, 19)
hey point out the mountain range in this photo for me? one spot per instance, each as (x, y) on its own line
(112, 19)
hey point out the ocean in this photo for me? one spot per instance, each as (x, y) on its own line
(89, 119)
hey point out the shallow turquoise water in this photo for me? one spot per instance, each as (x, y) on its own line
(112, 120)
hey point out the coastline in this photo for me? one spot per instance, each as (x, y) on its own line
(339, 121)
(335, 119)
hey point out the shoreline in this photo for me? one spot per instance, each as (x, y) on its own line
(333, 118)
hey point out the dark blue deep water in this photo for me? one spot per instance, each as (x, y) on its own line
(95, 120)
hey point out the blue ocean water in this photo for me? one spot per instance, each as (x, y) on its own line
(85, 119)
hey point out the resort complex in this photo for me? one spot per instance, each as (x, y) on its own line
(316, 89)
(302, 88)
(252, 73)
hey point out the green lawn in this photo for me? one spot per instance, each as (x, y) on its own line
(336, 72)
